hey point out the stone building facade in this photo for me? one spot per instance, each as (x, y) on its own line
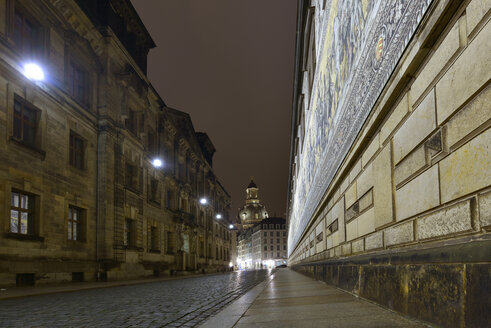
(390, 176)
(263, 245)
(80, 198)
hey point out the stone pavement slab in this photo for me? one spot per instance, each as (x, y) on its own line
(294, 300)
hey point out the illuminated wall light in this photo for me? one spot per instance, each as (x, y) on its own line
(33, 72)
(231, 226)
(218, 216)
(157, 162)
(203, 201)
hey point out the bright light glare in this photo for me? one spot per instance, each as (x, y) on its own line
(230, 264)
(219, 216)
(157, 162)
(33, 72)
(203, 201)
(231, 226)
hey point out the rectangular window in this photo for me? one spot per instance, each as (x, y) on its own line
(333, 227)
(152, 142)
(154, 239)
(153, 191)
(278, 240)
(77, 151)
(271, 233)
(170, 242)
(131, 122)
(277, 233)
(75, 223)
(168, 200)
(79, 86)
(265, 234)
(277, 247)
(265, 248)
(26, 121)
(131, 176)
(21, 213)
(26, 34)
(129, 233)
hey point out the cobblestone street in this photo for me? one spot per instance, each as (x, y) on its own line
(175, 303)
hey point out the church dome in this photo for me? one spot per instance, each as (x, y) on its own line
(253, 211)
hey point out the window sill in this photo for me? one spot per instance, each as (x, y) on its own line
(35, 150)
(19, 236)
(154, 203)
(156, 251)
(132, 189)
(133, 248)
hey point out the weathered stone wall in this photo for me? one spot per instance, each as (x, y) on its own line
(101, 187)
(405, 220)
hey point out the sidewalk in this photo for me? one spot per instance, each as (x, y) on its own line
(290, 299)
(16, 292)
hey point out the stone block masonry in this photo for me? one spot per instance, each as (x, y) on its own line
(414, 232)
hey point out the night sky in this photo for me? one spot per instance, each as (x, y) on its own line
(229, 64)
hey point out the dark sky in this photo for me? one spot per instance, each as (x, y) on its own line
(229, 64)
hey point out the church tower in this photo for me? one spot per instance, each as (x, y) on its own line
(253, 211)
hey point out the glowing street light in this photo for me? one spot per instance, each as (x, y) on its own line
(203, 201)
(33, 72)
(218, 216)
(157, 162)
(231, 226)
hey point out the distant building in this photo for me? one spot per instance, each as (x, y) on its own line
(264, 245)
(81, 196)
(253, 211)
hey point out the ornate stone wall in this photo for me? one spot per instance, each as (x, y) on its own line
(390, 183)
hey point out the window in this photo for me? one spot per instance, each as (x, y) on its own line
(153, 191)
(277, 247)
(168, 200)
(26, 34)
(131, 176)
(271, 247)
(333, 227)
(77, 151)
(129, 233)
(154, 239)
(26, 121)
(265, 234)
(151, 142)
(78, 84)
(284, 233)
(271, 233)
(170, 242)
(265, 248)
(278, 240)
(277, 233)
(284, 247)
(75, 223)
(21, 213)
(131, 122)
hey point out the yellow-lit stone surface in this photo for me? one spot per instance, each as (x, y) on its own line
(365, 201)
(357, 246)
(469, 118)
(374, 241)
(382, 190)
(475, 12)
(364, 181)
(394, 118)
(467, 169)
(417, 127)
(346, 249)
(338, 213)
(402, 233)
(420, 194)
(352, 230)
(371, 150)
(355, 171)
(468, 73)
(413, 163)
(366, 222)
(450, 220)
(438, 60)
(350, 195)
(485, 209)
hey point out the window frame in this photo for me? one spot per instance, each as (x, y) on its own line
(30, 210)
(80, 222)
(82, 98)
(73, 151)
(19, 136)
(129, 233)
(37, 45)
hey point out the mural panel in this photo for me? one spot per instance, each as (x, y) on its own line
(360, 45)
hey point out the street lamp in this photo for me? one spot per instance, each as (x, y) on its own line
(203, 201)
(218, 216)
(33, 72)
(231, 226)
(157, 162)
